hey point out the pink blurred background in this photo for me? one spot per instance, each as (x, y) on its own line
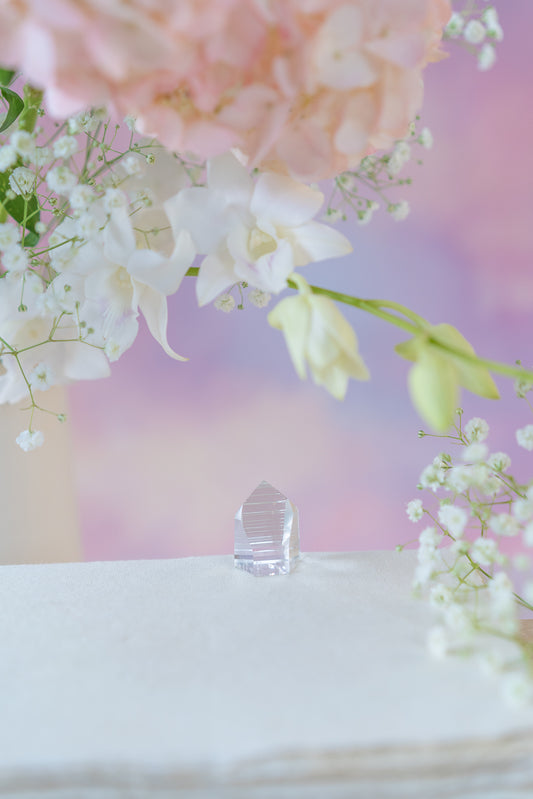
(166, 452)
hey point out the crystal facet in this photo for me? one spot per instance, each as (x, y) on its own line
(266, 533)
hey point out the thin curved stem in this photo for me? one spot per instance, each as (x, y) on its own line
(396, 306)
(412, 323)
(420, 325)
(370, 306)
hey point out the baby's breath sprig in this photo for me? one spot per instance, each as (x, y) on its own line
(469, 565)
(98, 226)
(227, 303)
(59, 190)
(366, 189)
(475, 26)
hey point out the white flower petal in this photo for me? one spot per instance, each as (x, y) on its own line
(270, 272)
(153, 307)
(160, 273)
(121, 336)
(84, 363)
(292, 316)
(12, 387)
(284, 201)
(332, 348)
(216, 275)
(322, 348)
(333, 377)
(227, 175)
(164, 178)
(119, 238)
(316, 242)
(237, 241)
(203, 213)
(335, 324)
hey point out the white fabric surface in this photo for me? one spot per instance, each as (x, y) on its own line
(191, 678)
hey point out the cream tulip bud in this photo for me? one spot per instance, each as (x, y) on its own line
(318, 335)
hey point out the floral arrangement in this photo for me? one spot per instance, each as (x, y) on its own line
(474, 565)
(232, 111)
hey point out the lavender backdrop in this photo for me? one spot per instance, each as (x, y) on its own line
(166, 452)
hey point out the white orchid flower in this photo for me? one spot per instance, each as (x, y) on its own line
(67, 359)
(254, 232)
(122, 279)
(318, 335)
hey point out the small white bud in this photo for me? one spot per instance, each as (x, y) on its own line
(225, 303)
(30, 439)
(475, 32)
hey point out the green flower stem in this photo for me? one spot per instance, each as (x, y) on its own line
(511, 485)
(414, 317)
(90, 145)
(24, 221)
(371, 306)
(52, 341)
(49, 249)
(41, 409)
(32, 103)
(12, 350)
(3, 212)
(419, 325)
(108, 164)
(28, 386)
(57, 132)
(493, 366)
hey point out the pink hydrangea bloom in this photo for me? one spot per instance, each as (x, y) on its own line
(306, 87)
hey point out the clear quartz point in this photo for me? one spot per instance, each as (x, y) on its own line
(267, 540)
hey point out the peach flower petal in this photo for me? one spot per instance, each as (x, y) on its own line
(306, 87)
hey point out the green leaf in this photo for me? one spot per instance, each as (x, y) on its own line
(474, 378)
(32, 102)
(412, 348)
(434, 389)
(15, 208)
(18, 207)
(6, 76)
(15, 107)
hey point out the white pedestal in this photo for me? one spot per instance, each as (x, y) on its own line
(189, 678)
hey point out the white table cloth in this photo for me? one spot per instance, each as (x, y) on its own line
(189, 678)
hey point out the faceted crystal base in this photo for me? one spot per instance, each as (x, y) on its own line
(266, 533)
